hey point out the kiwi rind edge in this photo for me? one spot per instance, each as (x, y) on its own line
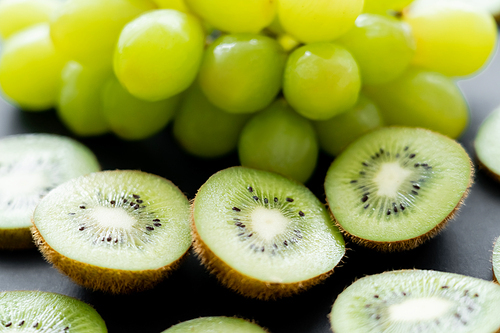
(114, 281)
(16, 239)
(243, 284)
(409, 244)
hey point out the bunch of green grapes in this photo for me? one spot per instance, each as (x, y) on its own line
(275, 80)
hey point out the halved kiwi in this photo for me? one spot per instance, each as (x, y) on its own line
(487, 144)
(396, 187)
(417, 301)
(264, 235)
(495, 259)
(216, 324)
(38, 311)
(30, 166)
(115, 231)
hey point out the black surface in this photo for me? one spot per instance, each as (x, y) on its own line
(464, 247)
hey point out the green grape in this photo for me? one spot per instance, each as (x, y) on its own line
(319, 20)
(421, 98)
(16, 15)
(30, 69)
(235, 15)
(131, 118)
(280, 140)
(159, 53)
(336, 133)
(179, 5)
(321, 80)
(452, 37)
(242, 73)
(385, 6)
(382, 46)
(87, 30)
(79, 105)
(203, 129)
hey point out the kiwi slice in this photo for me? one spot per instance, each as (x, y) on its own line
(264, 235)
(38, 311)
(116, 231)
(396, 187)
(30, 166)
(496, 260)
(487, 145)
(216, 324)
(417, 301)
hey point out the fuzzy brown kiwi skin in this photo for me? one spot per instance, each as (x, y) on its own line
(243, 284)
(407, 244)
(16, 239)
(113, 281)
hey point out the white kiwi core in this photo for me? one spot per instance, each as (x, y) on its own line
(19, 183)
(389, 179)
(113, 218)
(268, 223)
(420, 309)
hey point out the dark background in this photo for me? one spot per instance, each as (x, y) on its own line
(464, 247)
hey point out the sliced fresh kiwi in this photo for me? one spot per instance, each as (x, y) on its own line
(496, 260)
(115, 231)
(216, 324)
(38, 311)
(417, 301)
(30, 166)
(487, 144)
(396, 187)
(264, 235)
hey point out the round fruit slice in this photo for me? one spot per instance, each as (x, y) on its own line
(30, 166)
(264, 235)
(496, 260)
(38, 311)
(417, 301)
(394, 188)
(216, 324)
(116, 231)
(487, 144)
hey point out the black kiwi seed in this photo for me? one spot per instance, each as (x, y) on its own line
(250, 189)
(150, 228)
(236, 209)
(301, 213)
(112, 202)
(275, 199)
(289, 199)
(256, 198)
(81, 228)
(139, 201)
(21, 323)
(8, 324)
(82, 207)
(266, 200)
(157, 224)
(353, 181)
(136, 196)
(35, 324)
(156, 220)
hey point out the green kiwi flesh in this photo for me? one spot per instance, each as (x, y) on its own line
(116, 231)
(496, 260)
(38, 311)
(216, 324)
(417, 301)
(264, 235)
(487, 144)
(396, 187)
(30, 166)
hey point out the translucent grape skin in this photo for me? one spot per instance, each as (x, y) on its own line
(159, 53)
(30, 69)
(204, 130)
(382, 46)
(336, 133)
(422, 98)
(242, 73)
(79, 105)
(16, 15)
(452, 37)
(87, 30)
(278, 139)
(319, 20)
(179, 5)
(385, 6)
(235, 16)
(321, 80)
(131, 118)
